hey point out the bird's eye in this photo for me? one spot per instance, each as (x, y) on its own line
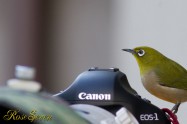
(141, 52)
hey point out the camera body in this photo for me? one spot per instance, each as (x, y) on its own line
(109, 89)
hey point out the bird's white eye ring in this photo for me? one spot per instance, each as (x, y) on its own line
(141, 52)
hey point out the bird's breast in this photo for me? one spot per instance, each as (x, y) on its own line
(152, 83)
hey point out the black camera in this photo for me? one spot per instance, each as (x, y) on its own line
(108, 90)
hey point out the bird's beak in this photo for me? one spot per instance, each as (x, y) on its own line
(129, 50)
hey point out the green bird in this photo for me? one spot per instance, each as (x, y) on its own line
(161, 76)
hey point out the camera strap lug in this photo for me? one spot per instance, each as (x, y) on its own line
(171, 116)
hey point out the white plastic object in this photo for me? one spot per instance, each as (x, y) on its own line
(25, 72)
(24, 79)
(97, 115)
(123, 116)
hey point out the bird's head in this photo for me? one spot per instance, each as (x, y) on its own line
(146, 56)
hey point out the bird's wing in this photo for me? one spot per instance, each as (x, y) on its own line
(171, 74)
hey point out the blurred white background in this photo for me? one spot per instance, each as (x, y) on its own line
(64, 38)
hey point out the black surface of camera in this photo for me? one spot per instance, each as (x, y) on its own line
(110, 90)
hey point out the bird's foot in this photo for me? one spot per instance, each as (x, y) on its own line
(175, 108)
